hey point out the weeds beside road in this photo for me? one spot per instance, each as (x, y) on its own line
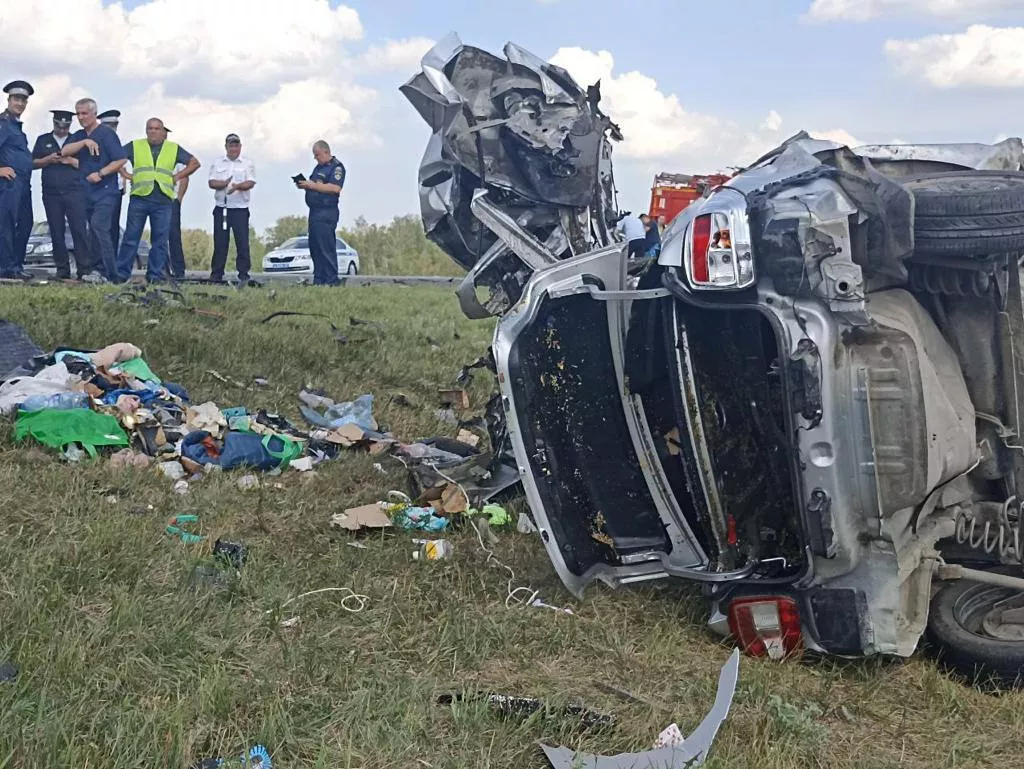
(121, 665)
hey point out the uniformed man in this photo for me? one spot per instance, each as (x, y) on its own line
(154, 183)
(15, 183)
(63, 195)
(232, 178)
(100, 158)
(323, 196)
(111, 118)
(175, 249)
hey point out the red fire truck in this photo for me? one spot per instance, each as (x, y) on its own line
(672, 193)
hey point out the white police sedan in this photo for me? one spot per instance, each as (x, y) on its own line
(293, 256)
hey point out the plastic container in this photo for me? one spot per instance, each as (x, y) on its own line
(62, 401)
(435, 550)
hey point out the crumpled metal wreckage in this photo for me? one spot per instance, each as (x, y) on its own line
(516, 141)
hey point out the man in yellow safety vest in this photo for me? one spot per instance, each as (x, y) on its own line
(153, 192)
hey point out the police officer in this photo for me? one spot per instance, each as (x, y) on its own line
(100, 158)
(111, 118)
(15, 183)
(63, 196)
(323, 195)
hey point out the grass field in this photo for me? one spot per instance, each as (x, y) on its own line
(123, 666)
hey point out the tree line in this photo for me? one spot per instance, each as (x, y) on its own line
(397, 248)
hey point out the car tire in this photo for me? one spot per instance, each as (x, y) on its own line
(980, 658)
(968, 213)
(352, 270)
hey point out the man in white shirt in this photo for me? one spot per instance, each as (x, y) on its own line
(231, 178)
(632, 229)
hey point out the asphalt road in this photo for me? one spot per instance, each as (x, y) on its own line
(286, 278)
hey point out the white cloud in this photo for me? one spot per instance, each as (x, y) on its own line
(280, 128)
(981, 56)
(655, 124)
(196, 44)
(773, 122)
(865, 10)
(837, 135)
(397, 55)
(659, 132)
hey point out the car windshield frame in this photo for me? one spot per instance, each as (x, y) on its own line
(300, 243)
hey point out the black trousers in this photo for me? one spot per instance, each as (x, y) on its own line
(176, 254)
(115, 230)
(227, 221)
(68, 206)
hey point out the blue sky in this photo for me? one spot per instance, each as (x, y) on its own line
(696, 87)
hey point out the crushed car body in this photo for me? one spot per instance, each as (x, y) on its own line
(810, 403)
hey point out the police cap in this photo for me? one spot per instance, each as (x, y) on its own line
(62, 116)
(19, 88)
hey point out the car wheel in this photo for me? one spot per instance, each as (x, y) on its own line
(966, 626)
(968, 213)
(352, 269)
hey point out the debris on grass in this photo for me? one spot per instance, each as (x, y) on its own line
(433, 550)
(8, 672)
(364, 517)
(671, 750)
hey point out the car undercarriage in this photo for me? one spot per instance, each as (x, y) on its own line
(811, 403)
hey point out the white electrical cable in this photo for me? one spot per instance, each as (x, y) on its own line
(359, 602)
(511, 598)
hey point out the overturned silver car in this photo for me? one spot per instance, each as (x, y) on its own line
(812, 404)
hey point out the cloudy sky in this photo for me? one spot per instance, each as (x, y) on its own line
(696, 86)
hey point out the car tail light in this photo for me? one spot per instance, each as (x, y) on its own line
(718, 244)
(766, 626)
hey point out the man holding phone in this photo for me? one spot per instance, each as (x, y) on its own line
(323, 196)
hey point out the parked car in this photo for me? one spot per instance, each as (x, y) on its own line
(811, 404)
(39, 252)
(293, 256)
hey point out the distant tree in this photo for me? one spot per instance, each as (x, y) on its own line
(198, 247)
(398, 248)
(284, 228)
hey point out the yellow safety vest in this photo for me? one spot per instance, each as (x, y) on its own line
(145, 174)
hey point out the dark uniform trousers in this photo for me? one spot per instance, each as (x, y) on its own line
(323, 226)
(68, 206)
(237, 224)
(115, 229)
(175, 251)
(15, 223)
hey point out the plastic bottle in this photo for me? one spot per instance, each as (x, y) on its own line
(62, 401)
(435, 550)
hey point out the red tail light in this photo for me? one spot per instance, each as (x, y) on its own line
(698, 254)
(766, 626)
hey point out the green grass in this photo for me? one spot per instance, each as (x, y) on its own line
(123, 666)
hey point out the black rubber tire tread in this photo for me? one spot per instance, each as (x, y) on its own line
(967, 193)
(1014, 221)
(980, 660)
(970, 246)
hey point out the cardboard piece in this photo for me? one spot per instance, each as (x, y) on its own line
(347, 435)
(458, 399)
(453, 500)
(470, 439)
(364, 517)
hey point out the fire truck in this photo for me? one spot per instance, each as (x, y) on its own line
(672, 193)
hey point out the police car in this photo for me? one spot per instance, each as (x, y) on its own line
(39, 251)
(293, 256)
